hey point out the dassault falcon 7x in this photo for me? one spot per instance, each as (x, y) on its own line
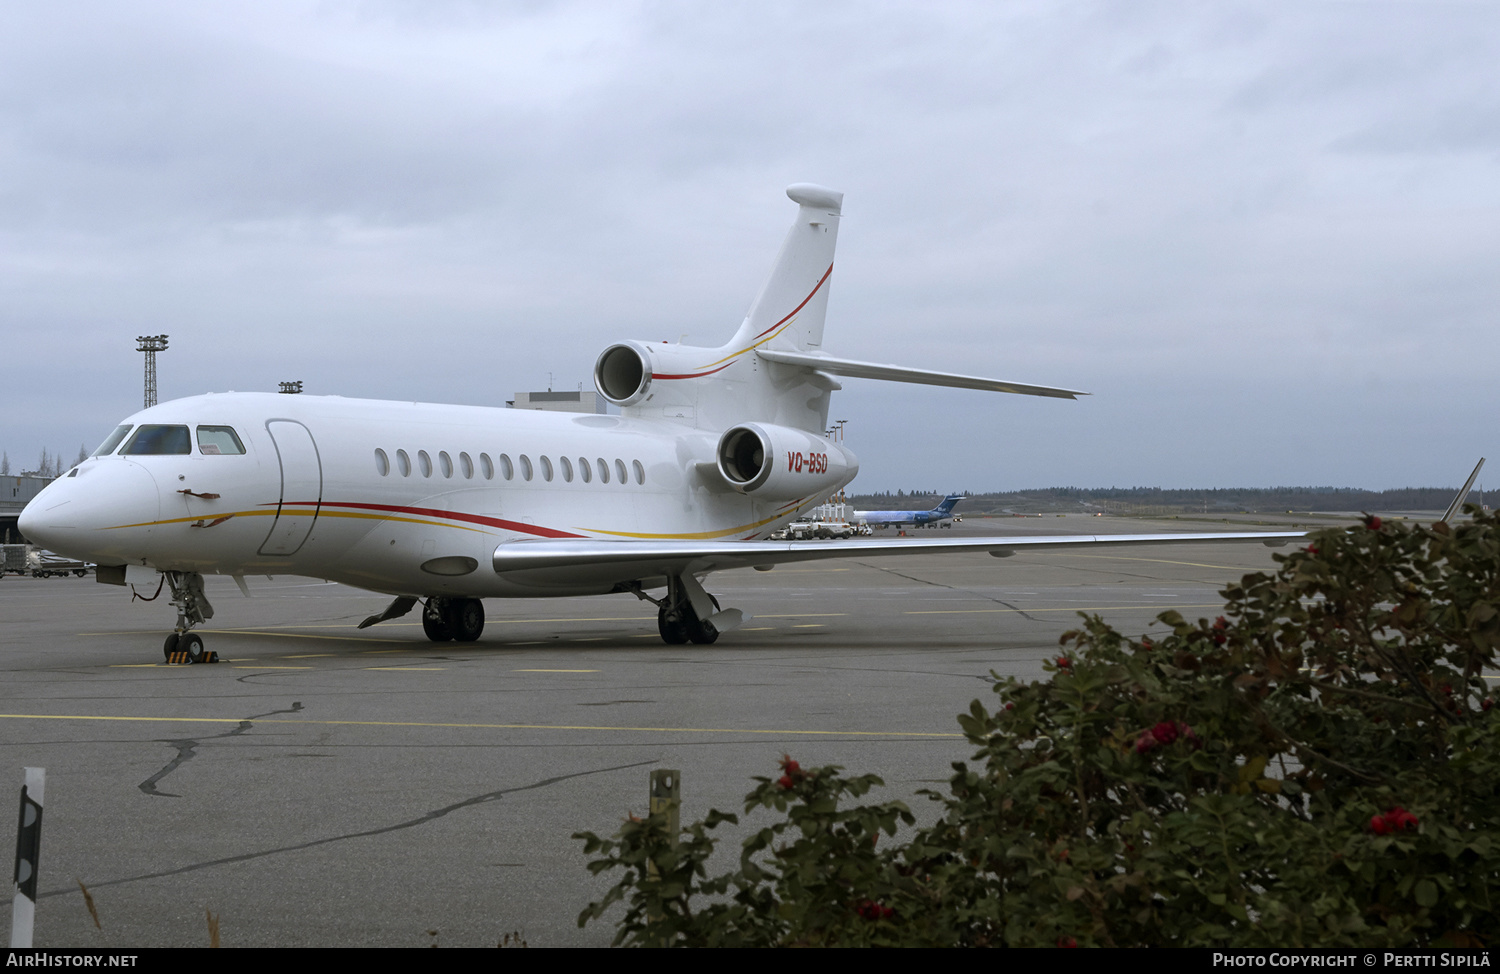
(713, 450)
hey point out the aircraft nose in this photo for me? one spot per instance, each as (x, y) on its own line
(95, 514)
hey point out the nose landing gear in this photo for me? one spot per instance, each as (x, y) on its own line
(193, 609)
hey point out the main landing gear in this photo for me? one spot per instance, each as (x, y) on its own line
(461, 619)
(687, 613)
(193, 609)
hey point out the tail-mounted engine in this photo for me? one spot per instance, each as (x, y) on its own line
(779, 463)
(623, 373)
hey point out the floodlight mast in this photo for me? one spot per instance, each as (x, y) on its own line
(151, 344)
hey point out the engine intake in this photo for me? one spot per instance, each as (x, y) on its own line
(623, 374)
(780, 463)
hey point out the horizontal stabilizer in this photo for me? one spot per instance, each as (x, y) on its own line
(898, 373)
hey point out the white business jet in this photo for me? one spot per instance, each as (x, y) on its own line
(713, 450)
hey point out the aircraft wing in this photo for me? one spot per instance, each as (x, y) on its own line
(545, 563)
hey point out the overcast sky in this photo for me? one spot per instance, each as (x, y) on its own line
(1264, 235)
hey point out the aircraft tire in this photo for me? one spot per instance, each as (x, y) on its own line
(674, 632)
(192, 644)
(170, 646)
(465, 619)
(434, 625)
(702, 633)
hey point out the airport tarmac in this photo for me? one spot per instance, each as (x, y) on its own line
(327, 786)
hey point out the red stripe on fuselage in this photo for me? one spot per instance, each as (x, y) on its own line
(493, 522)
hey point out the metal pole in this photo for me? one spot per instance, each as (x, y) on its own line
(28, 852)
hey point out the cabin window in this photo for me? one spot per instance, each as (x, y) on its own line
(466, 466)
(546, 468)
(583, 470)
(219, 440)
(424, 462)
(108, 446)
(446, 463)
(525, 467)
(506, 470)
(403, 463)
(382, 462)
(567, 469)
(159, 441)
(603, 471)
(620, 472)
(640, 471)
(486, 466)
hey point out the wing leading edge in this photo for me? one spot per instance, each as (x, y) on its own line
(546, 563)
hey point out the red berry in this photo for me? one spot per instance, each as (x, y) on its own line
(785, 781)
(1066, 942)
(1373, 523)
(1145, 743)
(1064, 663)
(1378, 825)
(1165, 732)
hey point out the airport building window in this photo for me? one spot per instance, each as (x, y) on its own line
(603, 471)
(403, 463)
(640, 471)
(506, 470)
(382, 462)
(159, 441)
(108, 446)
(219, 440)
(525, 467)
(546, 468)
(466, 466)
(486, 466)
(620, 472)
(446, 463)
(424, 462)
(567, 469)
(583, 470)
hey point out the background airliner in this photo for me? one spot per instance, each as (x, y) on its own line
(916, 518)
(713, 450)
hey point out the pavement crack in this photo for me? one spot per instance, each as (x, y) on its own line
(927, 581)
(422, 819)
(187, 749)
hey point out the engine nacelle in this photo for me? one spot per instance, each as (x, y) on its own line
(622, 373)
(779, 463)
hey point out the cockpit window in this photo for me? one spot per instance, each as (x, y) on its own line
(158, 440)
(108, 446)
(217, 440)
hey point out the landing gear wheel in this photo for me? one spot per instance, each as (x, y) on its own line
(434, 623)
(673, 628)
(465, 619)
(170, 646)
(192, 644)
(702, 632)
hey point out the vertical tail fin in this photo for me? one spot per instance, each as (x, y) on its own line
(789, 312)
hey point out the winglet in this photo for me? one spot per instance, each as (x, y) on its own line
(1463, 494)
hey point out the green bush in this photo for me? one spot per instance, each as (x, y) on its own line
(1316, 767)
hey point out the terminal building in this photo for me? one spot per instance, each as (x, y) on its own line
(561, 402)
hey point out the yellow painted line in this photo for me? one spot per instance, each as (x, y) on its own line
(311, 656)
(1157, 561)
(554, 671)
(1079, 608)
(810, 625)
(759, 629)
(556, 727)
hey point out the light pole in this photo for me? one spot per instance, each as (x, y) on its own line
(151, 344)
